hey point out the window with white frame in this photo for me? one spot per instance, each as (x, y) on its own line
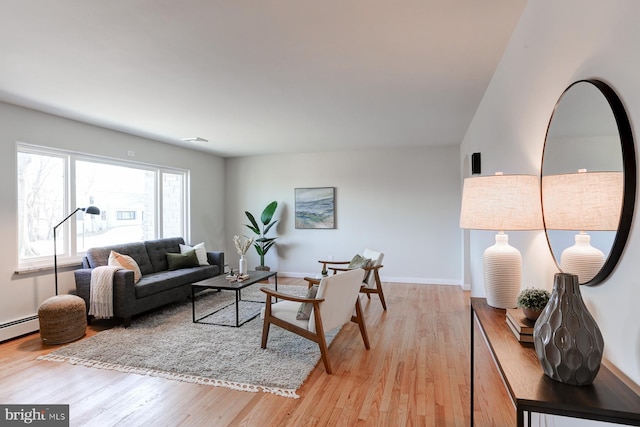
(137, 202)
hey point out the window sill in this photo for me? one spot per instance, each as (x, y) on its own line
(30, 269)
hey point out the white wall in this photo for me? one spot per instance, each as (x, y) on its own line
(403, 202)
(554, 44)
(20, 295)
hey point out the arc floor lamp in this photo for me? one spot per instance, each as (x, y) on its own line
(91, 210)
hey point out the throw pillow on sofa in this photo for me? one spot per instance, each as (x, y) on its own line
(125, 261)
(185, 260)
(201, 252)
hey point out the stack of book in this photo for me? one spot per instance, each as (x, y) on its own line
(521, 327)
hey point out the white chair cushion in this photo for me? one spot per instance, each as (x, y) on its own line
(287, 311)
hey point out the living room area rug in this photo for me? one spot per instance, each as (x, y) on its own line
(166, 343)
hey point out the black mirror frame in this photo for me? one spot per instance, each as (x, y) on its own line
(629, 170)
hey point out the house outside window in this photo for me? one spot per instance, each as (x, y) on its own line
(126, 215)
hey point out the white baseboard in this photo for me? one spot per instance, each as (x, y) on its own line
(297, 275)
(392, 279)
(19, 327)
(421, 280)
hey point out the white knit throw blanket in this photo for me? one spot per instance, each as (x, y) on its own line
(101, 295)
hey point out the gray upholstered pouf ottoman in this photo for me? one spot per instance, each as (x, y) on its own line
(63, 318)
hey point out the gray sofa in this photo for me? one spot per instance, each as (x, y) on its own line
(158, 285)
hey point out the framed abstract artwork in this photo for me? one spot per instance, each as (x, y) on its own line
(315, 207)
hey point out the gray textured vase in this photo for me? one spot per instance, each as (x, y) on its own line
(566, 337)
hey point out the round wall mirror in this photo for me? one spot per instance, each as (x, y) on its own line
(588, 180)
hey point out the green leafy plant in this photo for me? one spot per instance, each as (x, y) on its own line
(533, 298)
(263, 243)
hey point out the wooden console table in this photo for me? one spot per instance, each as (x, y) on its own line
(607, 399)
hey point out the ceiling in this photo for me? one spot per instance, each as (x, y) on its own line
(258, 76)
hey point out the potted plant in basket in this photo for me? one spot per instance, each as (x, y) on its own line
(263, 243)
(532, 301)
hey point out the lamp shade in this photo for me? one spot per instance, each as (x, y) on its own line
(583, 201)
(501, 202)
(91, 210)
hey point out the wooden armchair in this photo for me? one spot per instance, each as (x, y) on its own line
(371, 283)
(332, 307)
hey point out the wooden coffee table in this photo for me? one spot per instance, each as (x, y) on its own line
(220, 283)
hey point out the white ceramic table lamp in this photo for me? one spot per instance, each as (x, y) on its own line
(582, 201)
(501, 202)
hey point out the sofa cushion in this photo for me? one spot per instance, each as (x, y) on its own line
(136, 250)
(201, 252)
(125, 261)
(158, 250)
(158, 282)
(184, 260)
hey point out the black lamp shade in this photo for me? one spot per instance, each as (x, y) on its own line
(91, 210)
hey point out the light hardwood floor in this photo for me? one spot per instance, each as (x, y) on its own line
(416, 374)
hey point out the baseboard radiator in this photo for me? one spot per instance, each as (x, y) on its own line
(19, 327)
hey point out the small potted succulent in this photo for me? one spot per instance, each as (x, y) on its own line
(532, 301)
